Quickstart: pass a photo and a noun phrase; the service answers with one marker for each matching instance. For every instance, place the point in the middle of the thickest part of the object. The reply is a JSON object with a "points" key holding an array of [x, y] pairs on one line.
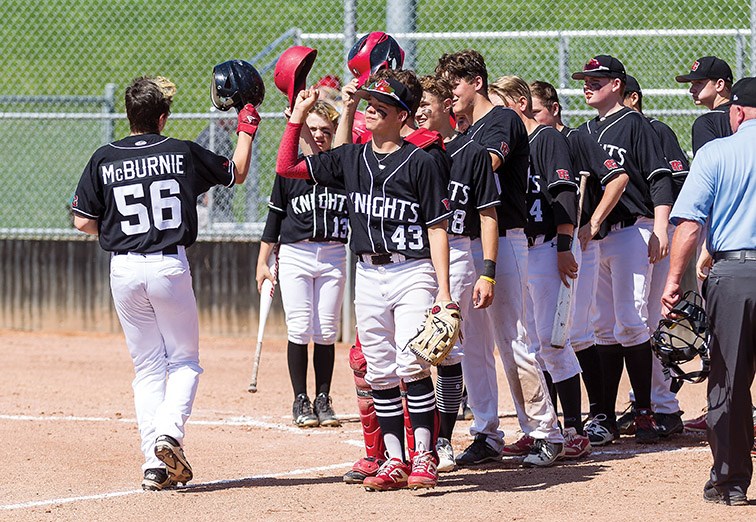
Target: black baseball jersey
{"points": [[472, 185], [587, 155], [673, 153], [629, 139], [300, 211], [551, 183], [711, 125], [143, 189], [502, 133], [391, 202]]}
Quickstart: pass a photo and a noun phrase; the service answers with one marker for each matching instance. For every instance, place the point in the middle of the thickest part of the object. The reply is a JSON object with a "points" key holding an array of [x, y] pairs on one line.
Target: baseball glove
{"points": [[438, 334]]}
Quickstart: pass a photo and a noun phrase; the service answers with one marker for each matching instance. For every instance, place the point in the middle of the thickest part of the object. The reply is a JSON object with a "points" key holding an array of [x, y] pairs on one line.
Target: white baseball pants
{"points": [[506, 320], [390, 305], [311, 276], [582, 333], [624, 283], [543, 294], [155, 303], [461, 283]]}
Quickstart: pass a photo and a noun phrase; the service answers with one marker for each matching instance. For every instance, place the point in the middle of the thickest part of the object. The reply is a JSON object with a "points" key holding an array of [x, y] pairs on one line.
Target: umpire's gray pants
{"points": [[731, 307]]}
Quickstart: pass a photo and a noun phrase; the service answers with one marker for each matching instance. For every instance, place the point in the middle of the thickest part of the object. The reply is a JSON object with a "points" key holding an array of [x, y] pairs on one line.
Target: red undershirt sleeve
{"points": [[287, 163]]}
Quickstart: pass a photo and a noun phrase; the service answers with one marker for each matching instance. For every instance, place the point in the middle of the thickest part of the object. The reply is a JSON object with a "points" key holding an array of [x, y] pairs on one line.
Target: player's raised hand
{"points": [[567, 266], [349, 94], [302, 105], [249, 119]]}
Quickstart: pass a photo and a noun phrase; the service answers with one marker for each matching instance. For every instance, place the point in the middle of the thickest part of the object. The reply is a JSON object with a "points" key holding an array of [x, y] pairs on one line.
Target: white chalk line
{"points": [[233, 421], [114, 494]]}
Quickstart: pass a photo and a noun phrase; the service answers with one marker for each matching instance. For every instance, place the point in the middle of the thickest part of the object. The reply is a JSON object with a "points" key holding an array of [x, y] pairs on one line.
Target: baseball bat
{"points": [[560, 332], [266, 299]]}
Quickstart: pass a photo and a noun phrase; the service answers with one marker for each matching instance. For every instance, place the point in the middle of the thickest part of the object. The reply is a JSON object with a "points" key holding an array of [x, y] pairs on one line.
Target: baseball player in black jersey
{"points": [[138, 194], [473, 195], [636, 240], [551, 223], [605, 185], [664, 401], [310, 223], [503, 134], [710, 81], [398, 210]]}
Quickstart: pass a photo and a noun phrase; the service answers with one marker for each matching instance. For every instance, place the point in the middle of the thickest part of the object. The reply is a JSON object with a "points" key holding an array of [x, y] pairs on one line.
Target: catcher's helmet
{"points": [[292, 69], [681, 338], [373, 52], [235, 84]]}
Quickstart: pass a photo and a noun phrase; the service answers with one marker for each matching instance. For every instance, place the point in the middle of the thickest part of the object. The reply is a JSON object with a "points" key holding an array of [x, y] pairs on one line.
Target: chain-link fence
{"points": [[67, 63]]}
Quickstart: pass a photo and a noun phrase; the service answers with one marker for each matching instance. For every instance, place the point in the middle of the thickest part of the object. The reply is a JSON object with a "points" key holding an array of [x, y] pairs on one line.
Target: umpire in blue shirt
{"points": [[721, 189]]}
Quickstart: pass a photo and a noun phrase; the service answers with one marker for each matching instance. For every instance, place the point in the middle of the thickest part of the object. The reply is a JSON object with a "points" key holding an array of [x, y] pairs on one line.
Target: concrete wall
{"points": [[63, 285]]}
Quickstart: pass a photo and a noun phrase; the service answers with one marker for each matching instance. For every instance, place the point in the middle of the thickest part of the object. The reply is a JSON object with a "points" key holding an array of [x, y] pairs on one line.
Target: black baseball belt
{"points": [[735, 255]]}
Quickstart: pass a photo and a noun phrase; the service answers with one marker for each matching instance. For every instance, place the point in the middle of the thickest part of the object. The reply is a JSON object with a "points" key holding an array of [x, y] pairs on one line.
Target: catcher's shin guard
{"points": [[371, 431]]}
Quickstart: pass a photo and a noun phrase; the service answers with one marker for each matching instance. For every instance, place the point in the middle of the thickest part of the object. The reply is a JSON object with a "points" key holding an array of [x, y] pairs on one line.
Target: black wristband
{"points": [[564, 242], [489, 268]]}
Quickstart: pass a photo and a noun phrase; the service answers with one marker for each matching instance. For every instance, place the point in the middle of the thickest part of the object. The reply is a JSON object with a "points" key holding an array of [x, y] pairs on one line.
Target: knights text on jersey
{"points": [[629, 139], [588, 156], [673, 153], [143, 189], [472, 185], [710, 126], [502, 133], [310, 212], [551, 183], [391, 201]]}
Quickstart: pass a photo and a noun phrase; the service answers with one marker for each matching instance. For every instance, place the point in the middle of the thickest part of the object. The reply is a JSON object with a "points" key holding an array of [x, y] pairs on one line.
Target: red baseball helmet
{"points": [[291, 71], [372, 52]]}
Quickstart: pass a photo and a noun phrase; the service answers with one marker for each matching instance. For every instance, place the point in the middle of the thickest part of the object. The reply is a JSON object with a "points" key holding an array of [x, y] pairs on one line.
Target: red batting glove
{"points": [[249, 119]]}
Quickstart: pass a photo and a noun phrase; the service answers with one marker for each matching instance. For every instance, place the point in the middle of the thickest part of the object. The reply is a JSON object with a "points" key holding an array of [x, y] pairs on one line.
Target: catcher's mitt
{"points": [[438, 334]]}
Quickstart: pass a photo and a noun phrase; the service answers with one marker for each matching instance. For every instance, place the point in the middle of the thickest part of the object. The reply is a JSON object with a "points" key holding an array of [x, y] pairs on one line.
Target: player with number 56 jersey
{"points": [[138, 194]]}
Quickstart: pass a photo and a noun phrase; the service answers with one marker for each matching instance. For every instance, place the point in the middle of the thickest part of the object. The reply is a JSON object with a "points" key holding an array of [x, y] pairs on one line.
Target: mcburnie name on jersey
{"points": [[385, 207], [166, 164]]}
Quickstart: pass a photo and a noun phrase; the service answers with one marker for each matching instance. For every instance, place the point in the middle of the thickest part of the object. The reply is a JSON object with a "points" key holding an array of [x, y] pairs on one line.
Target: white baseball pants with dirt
{"points": [[504, 321], [461, 282], [390, 305], [311, 276], [155, 303], [543, 295]]}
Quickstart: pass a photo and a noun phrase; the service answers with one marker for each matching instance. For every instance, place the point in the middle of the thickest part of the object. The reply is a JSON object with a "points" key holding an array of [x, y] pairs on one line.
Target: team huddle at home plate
{"points": [[461, 196]]}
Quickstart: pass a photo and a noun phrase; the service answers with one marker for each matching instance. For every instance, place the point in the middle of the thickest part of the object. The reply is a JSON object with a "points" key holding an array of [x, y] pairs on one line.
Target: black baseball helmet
{"points": [[235, 84], [682, 337]]}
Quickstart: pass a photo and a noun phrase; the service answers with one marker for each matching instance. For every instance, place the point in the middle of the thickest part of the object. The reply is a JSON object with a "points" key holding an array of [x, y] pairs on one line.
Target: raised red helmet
{"points": [[292, 68], [373, 52]]}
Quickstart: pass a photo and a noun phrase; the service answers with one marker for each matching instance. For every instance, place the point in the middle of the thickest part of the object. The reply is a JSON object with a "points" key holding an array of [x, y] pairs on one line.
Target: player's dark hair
{"points": [[640, 99], [547, 93], [146, 101], [407, 78], [465, 65], [438, 86]]}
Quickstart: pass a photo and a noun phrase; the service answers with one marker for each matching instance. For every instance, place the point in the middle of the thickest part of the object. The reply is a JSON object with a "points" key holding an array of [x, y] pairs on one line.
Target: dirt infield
{"points": [[70, 451]]}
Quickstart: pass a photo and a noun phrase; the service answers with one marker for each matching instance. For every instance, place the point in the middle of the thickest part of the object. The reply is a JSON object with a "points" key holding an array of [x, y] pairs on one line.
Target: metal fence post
{"points": [[401, 16], [740, 55], [108, 107], [350, 32]]}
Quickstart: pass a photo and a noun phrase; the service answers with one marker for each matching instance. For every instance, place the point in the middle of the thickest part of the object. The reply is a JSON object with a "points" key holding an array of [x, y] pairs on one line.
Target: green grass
{"points": [[79, 46]]}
